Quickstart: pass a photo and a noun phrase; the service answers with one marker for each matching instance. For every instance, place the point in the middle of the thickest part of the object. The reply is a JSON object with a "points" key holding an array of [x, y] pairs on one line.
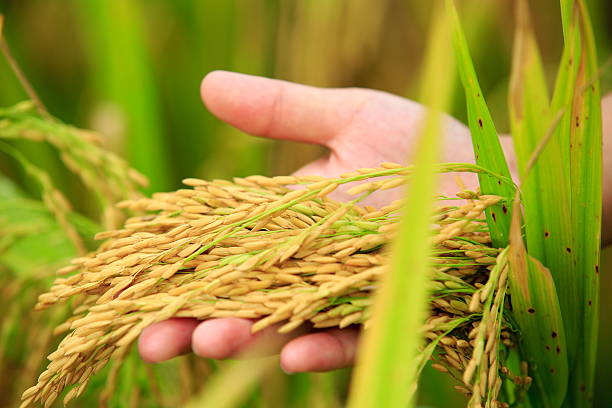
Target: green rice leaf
{"points": [[41, 235], [399, 307], [51, 196], [539, 151], [528, 103], [487, 149], [578, 95], [535, 307], [542, 162]]}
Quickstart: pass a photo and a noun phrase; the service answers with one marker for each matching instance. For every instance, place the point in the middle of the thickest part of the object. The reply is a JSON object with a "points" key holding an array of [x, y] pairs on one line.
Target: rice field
{"points": [[99, 239]]}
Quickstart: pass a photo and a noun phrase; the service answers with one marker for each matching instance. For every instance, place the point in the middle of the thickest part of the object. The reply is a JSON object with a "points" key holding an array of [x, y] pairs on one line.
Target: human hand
{"points": [[362, 128]]}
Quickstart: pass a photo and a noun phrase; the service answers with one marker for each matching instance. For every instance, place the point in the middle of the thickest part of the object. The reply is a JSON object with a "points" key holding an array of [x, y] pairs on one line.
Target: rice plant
{"points": [[502, 289]]}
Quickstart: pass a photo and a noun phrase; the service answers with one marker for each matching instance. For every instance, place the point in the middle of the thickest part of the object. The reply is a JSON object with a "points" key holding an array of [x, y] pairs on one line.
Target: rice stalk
{"points": [[106, 175]]}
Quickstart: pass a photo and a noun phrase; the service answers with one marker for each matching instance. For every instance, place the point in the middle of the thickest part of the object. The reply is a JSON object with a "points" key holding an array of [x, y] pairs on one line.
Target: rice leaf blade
{"points": [[487, 149], [542, 161], [399, 306], [582, 119], [545, 344], [535, 307], [528, 103]]}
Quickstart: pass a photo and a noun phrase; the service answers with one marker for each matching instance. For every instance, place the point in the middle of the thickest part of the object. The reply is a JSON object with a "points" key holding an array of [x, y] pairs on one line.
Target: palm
{"points": [[383, 128], [361, 128]]}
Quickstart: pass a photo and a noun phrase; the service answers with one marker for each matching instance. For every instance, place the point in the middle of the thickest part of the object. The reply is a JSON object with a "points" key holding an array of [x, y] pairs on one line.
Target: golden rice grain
{"points": [[252, 248]]}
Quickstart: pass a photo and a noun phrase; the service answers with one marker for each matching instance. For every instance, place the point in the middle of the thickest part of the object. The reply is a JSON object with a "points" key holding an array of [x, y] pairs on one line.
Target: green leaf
{"points": [[39, 245], [542, 164], [399, 307], [122, 73], [487, 149], [562, 192], [539, 151], [577, 93], [536, 310], [528, 104]]}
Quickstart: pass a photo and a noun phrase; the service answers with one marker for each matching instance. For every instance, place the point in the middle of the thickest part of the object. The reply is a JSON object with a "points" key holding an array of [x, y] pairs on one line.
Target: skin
{"points": [[361, 128]]}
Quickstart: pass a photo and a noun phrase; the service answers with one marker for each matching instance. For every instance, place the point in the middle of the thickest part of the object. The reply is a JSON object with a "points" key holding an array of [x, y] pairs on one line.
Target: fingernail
{"points": [[286, 371]]}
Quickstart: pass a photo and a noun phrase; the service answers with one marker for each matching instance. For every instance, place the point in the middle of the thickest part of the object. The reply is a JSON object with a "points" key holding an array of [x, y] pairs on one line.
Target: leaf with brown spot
{"points": [[577, 94], [533, 289], [487, 148]]}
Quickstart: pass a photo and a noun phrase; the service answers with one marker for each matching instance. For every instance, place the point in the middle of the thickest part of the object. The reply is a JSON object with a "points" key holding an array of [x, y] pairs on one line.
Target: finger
{"points": [[165, 340], [280, 109], [322, 351], [229, 337], [221, 338]]}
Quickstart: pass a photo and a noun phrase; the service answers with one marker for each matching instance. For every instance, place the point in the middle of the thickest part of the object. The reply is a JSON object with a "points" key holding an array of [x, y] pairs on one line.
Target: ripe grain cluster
{"points": [[260, 248]]}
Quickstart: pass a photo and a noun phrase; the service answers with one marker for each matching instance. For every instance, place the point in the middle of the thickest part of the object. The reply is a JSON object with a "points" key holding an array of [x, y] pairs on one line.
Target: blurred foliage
{"points": [[131, 69]]}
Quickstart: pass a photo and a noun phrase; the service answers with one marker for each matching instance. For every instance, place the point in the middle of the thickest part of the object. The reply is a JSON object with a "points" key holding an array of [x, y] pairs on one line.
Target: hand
{"points": [[362, 128]]}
